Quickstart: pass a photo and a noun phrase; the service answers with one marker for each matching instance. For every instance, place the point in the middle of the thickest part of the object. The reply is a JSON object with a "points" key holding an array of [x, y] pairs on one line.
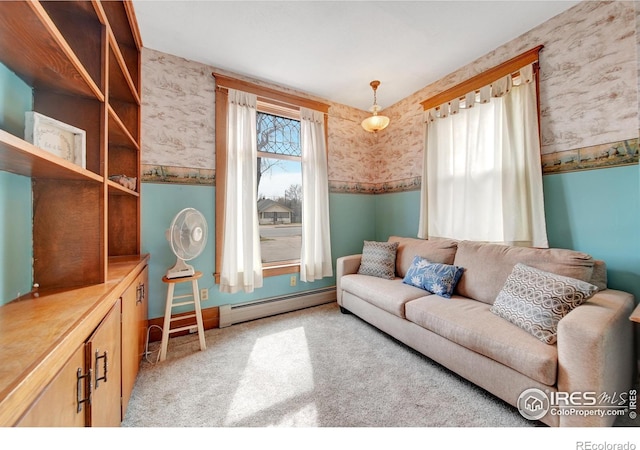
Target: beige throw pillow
{"points": [[536, 300]]}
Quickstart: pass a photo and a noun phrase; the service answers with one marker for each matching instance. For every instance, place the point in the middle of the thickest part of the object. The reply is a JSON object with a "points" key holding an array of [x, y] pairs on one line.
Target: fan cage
{"points": [[188, 234]]}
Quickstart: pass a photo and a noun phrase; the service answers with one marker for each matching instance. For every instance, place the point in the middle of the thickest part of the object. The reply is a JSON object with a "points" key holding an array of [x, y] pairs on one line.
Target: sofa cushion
{"points": [[435, 250], [470, 324], [536, 300], [436, 278], [389, 295], [487, 266], [379, 259]]}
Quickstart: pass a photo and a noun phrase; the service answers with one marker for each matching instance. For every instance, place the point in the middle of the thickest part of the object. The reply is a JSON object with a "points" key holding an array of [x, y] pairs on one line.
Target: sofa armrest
{"points": [[595, 351], [345, 265]]}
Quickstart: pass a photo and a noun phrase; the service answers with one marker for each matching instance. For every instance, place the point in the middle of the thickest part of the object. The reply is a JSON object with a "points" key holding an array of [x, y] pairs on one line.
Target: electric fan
{"points": [[187, 236]]}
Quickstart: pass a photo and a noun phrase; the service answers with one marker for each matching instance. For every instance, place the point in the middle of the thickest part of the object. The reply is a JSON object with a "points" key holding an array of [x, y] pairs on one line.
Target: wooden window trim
{"points": [[268, 95], [280, 268], [269, 98], [485, 78]]}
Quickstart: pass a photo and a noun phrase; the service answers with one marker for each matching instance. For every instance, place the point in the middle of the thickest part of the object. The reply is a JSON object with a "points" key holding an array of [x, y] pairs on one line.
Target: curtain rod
{"points": [[297, 106], [228, 82], [477, 91], [281, 102], [484, 78]]}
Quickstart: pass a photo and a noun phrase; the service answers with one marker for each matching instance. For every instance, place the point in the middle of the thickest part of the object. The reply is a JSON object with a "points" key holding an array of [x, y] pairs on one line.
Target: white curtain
{"points": [[315, 259], [482, 173], [241, 259]]}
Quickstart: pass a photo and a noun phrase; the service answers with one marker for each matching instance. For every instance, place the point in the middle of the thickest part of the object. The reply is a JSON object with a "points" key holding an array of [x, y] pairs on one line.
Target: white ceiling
{"points": [[333, 49]]}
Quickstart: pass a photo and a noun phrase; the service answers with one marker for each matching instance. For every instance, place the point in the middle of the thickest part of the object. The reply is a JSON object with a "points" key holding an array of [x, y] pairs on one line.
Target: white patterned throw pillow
{"points": [[379, 259], [536, 300]]}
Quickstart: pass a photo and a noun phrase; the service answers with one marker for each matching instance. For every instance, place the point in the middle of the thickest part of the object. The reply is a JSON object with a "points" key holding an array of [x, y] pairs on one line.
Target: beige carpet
{"points": [[310, 368]]}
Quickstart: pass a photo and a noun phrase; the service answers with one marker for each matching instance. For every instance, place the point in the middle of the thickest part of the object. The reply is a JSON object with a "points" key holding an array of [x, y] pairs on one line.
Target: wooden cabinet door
{"points": [[134, 330], [103, 355], [60, 403], [87, 389]]}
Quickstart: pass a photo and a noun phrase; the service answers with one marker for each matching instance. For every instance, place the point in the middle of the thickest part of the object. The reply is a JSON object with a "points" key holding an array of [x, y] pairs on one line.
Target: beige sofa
{"points": [[594, 349]]}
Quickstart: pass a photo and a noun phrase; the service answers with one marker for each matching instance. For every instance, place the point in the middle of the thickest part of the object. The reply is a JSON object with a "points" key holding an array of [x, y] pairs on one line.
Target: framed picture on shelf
{"points": [[58, 138]]}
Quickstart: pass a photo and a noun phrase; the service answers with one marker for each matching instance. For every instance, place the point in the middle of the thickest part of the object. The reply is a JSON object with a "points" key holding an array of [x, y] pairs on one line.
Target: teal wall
{"points": [[598, 212], [16, 98], [159, 204], [595, 211], [397, 214], [352, 221], [16, 245]]}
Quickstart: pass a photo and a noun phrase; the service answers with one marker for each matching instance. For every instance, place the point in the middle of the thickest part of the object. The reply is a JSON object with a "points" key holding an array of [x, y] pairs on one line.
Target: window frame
{"points": [[271, 101]]}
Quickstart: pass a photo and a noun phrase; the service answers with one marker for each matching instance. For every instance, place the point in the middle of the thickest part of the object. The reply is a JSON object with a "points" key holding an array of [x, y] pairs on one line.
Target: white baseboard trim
{"points": [[232, 314]]}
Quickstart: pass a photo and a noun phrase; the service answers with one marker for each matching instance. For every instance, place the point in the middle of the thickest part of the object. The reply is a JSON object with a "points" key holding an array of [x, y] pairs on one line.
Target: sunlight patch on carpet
{"points": [[278, 369], [306, 416]]}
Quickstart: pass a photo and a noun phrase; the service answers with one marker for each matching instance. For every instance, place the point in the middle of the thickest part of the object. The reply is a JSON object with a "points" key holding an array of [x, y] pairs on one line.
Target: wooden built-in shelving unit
{"points": [[82, 59]]}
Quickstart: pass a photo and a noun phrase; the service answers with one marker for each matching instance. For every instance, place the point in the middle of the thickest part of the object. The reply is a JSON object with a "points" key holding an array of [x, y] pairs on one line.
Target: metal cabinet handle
{"points": [[140, 293], [105, 366], [79, 389]]}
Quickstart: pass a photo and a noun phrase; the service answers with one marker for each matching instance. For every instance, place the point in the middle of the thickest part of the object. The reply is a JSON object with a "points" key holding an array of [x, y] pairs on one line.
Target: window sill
{"points": [[274, 269], [280, 268]]}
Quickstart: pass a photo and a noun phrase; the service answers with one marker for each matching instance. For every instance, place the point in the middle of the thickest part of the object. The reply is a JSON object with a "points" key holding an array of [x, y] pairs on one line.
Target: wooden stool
{"points": [[166, 329]]}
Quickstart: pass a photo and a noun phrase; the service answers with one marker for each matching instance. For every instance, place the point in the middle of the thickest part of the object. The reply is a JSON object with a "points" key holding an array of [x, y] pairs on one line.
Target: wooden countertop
{"points": [[39, 333]]}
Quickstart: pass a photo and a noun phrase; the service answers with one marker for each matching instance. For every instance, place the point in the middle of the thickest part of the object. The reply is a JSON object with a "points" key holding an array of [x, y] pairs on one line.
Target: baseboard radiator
{"points": [[232, 314]]}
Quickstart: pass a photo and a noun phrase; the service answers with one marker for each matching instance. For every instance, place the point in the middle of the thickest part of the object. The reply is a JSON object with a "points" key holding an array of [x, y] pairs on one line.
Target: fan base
{"points": [[181, 273], [180, 270]]}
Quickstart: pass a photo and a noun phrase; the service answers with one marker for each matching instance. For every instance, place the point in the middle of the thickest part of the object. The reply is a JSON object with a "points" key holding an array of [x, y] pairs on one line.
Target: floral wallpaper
{"points": [[589, 84], [178, 125], [177, 112], [588, 93], [637, 10], [350, 149]]}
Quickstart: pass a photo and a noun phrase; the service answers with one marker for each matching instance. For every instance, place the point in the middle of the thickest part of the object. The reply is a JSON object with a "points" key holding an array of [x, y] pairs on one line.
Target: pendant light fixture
{"points": [[375, 122]]}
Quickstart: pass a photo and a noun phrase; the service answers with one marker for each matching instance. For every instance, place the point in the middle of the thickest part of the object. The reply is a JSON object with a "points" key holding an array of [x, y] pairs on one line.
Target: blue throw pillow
{"points": [[439, 279]]}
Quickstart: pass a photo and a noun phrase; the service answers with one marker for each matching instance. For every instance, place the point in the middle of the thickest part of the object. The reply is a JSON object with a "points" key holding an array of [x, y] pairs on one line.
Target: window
{"points": [[279, 187], [482, 175], [280, 161]]}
